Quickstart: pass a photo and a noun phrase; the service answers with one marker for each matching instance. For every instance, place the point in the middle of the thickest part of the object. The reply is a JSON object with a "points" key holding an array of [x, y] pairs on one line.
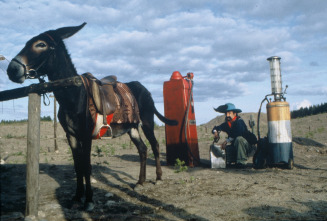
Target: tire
{"points": [[259, 165]]}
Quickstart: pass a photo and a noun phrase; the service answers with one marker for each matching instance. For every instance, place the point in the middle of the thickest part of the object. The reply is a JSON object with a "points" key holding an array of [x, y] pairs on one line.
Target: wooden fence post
{"points": [[32, 159]]}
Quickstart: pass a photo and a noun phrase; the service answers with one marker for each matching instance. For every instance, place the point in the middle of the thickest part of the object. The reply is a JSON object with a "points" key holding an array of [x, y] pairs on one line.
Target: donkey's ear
{"points": [[66, 32]]}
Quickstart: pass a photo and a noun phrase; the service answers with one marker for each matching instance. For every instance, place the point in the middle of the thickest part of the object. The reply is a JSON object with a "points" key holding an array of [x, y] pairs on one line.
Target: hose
{"points": [[186, 122], [258, 123]]}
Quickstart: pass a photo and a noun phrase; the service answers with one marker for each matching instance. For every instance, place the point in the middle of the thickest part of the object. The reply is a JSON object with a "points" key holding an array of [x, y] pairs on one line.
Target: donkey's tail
{"points": [[164, 119]]}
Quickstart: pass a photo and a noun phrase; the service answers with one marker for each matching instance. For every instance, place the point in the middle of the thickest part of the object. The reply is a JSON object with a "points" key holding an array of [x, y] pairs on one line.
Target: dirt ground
{"points": [[200, 193]]}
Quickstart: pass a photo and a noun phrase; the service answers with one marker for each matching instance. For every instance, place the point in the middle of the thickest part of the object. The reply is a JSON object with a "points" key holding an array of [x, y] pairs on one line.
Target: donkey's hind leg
{"points": [[142, 149], [87, 170], [148, 129]]}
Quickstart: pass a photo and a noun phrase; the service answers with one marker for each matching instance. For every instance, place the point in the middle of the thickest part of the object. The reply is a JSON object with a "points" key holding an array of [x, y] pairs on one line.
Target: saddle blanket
{"points": [[127, 110]]}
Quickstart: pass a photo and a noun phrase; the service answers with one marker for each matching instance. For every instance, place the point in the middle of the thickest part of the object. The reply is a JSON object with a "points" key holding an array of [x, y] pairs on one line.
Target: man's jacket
{"points": [[237, 129]]}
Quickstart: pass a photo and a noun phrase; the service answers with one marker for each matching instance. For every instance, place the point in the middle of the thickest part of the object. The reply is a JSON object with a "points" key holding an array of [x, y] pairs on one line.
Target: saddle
{"points": [[109, 101], [101, 94]]}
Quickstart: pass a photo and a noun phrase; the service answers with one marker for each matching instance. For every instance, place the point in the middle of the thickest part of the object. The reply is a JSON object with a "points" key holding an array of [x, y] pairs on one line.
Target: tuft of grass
{"points": [[112, 151], [124, 145], [20, 153], [321, 130], [98, 151], [311, 134], [147, 143], [9, 136], [180, 166]]}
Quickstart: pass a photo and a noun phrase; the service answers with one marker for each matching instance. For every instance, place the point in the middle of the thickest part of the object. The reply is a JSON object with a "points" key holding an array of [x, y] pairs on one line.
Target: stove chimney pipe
{"points": [[276, 78]]}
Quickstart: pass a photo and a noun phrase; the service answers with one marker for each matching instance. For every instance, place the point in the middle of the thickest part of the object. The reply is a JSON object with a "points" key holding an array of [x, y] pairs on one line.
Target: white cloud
{"points": [[304, 103], [225, 43]]}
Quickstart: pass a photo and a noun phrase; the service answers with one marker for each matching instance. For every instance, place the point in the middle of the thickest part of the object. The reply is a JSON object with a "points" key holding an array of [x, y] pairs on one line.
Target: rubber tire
{"points": [[262, 166]]}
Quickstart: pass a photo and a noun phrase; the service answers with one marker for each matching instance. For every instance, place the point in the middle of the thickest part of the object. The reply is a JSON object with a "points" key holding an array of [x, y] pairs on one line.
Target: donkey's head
{"points": [[39, 53]]}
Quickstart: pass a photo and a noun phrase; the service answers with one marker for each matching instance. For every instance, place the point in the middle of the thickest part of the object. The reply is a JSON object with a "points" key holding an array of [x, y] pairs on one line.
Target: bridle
{"points": [[33, 73]]}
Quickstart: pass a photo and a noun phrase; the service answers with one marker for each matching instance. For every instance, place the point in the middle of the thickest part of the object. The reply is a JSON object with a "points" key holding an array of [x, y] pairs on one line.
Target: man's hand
{"points": [[223, 145], [216, 136]]}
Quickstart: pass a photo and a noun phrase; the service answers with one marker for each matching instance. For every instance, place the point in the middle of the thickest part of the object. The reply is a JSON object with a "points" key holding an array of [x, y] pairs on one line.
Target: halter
{"points": [[33, 73]]}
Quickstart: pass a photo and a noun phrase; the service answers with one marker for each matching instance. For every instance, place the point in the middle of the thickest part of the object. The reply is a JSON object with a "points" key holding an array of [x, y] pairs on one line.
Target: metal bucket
{"points": [[217, 156]]}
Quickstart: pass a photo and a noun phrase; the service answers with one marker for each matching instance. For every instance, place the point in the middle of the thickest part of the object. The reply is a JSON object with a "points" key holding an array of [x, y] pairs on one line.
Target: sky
{"points": [[224, 43]]}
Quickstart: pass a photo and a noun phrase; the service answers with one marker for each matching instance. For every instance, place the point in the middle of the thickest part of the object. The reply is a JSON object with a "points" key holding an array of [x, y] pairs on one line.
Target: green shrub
{"points": [[180, 166]]}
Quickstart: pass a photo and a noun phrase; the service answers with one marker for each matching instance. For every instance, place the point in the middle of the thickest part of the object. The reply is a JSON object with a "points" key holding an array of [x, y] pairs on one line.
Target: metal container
{"points": [[181, 139], [217, 156], [280, 148]]}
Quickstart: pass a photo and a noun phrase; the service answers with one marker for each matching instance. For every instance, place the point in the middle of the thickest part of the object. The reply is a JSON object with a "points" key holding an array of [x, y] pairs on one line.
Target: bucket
{"points": [[217, 156]]}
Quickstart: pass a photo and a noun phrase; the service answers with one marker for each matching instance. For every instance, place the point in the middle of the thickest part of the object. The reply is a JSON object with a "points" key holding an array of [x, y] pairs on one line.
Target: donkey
{"points": [[46, 54]]}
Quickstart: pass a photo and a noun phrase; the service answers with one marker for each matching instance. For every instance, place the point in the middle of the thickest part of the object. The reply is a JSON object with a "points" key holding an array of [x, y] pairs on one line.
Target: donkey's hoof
{"points": [[76, 203], [138, 187], [158, 182], [89, 206]]}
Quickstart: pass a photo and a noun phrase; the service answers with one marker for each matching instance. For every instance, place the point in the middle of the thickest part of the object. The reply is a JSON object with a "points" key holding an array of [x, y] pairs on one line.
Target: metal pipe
{"points": [[276, 78]]}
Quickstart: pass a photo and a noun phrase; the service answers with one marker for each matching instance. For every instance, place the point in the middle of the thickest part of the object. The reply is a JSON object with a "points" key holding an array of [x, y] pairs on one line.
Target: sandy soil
{"points": [[200, 193]]}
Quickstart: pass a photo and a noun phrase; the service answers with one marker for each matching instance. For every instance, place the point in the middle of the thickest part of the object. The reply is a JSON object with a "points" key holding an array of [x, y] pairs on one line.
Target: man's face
{"points": [[230, 115]]}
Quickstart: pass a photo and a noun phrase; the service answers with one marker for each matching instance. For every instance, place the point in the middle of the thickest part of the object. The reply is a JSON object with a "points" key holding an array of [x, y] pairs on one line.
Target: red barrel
{"points": [[181, 143]]}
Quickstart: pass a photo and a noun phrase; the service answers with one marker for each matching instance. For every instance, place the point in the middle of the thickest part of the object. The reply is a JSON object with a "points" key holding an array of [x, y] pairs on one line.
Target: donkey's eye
{"points": [[41, 45]]}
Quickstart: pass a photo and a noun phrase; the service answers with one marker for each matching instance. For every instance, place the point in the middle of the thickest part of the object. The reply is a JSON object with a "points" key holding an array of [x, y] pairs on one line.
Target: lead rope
{"points": [[44, 96]]}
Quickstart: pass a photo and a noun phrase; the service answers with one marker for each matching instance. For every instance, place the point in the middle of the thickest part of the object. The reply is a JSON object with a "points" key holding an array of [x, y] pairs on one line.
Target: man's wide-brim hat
{"points": [[227, 107]]}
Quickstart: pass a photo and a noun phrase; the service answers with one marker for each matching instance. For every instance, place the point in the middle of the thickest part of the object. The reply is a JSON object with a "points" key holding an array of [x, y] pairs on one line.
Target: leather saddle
{"points": [[101, 95]]}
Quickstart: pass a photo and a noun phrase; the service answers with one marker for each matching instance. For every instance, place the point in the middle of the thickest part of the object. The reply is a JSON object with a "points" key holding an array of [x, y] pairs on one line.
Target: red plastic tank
{"points": [[177, 93]]}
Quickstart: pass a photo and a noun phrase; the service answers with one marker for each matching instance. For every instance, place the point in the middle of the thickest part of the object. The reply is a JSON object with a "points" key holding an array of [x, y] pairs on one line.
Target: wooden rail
{"points": [[40, 88]]}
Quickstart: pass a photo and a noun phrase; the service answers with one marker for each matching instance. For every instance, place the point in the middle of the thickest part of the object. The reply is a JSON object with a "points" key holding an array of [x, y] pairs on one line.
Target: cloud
{"points": [[224, 43], [314, 63], [302, 104]]}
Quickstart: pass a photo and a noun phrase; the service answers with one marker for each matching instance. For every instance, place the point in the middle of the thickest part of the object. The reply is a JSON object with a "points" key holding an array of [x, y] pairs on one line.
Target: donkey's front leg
{"points": [[77, 152], [82, 163]]}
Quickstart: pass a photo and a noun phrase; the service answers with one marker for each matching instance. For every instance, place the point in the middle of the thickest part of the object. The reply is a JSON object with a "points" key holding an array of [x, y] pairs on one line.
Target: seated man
{"points": [[234, 126]]}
